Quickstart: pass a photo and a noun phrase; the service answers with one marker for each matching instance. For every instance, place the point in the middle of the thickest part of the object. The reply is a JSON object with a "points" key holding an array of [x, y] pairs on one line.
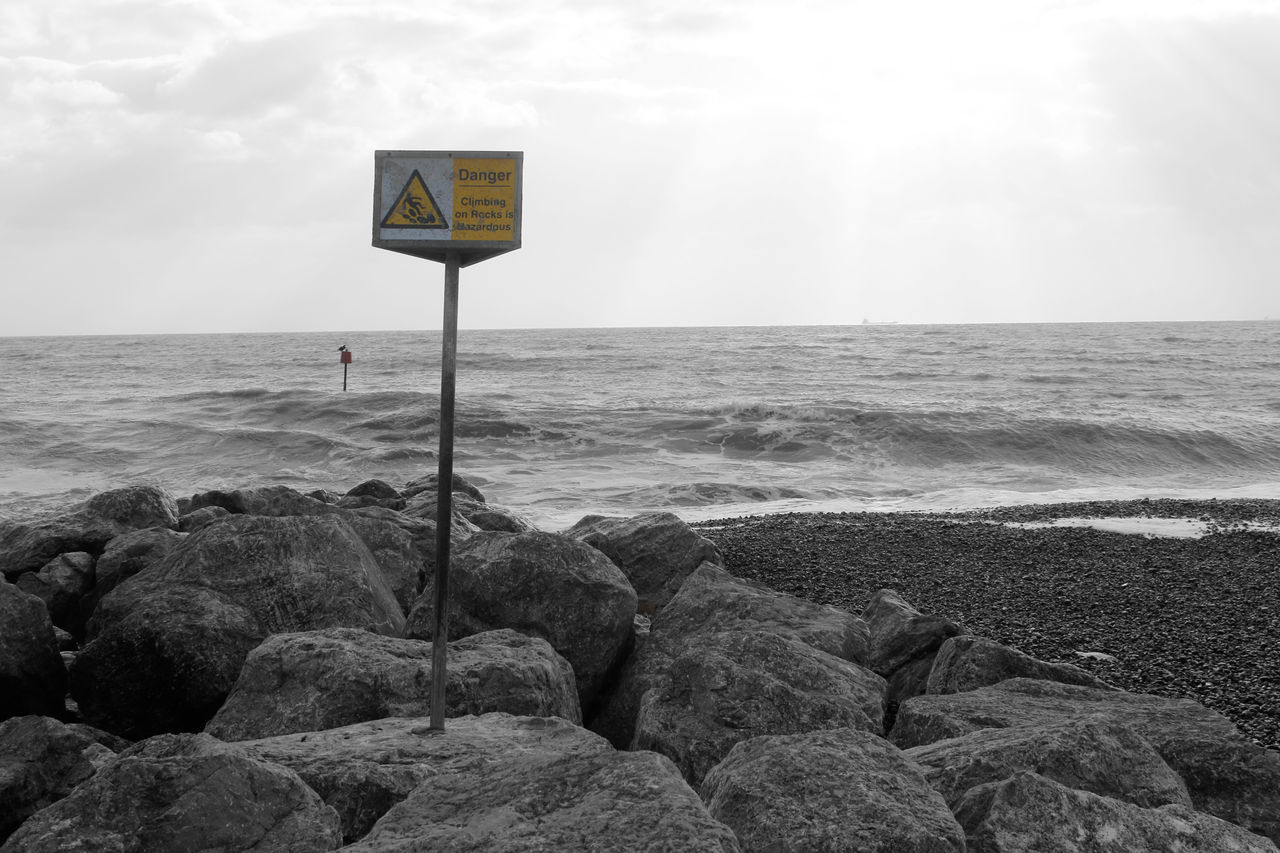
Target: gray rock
{"points": [[429, 483], [41, 761], [1029, 812], [363, 770], [840, 789], [967, 663], [183, 792], [714, 601], [1087, 753], [167, 644], [543, 585], [901, 634], [605, 801], [1226, 775], [314, 680], [62, 584], [468, 512], [729, 687], [200, 518], [656, 551], [378, 489], [130, 553], [33, 679], [89, 527]]}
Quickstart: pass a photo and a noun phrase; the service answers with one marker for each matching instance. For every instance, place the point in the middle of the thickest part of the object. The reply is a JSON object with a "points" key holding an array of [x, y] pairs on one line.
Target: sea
{"points": [[708, 423]]}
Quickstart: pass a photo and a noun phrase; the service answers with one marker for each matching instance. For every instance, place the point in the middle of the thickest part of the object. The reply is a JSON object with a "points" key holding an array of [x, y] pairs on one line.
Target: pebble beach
{"points": [[1191, 616]]}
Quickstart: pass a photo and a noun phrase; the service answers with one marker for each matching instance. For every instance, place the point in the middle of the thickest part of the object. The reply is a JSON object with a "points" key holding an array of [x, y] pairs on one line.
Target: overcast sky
{"points": [[207, 165]]}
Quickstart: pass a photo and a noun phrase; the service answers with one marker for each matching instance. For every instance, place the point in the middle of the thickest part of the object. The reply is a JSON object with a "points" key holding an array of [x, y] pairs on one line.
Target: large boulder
{"points": [[841, 789], [313, 680], [656, 551], [1087, 753], [968, 662], [89, 527], [63, 584], [183, 792], [126, 555], [604, 801], [1226, 775], [362, 770], [1029, 812], [275, 501], [713, 601], [41, 761], [167, 644], [901, 634], [729, 687], [33, 679], [543, 585]]}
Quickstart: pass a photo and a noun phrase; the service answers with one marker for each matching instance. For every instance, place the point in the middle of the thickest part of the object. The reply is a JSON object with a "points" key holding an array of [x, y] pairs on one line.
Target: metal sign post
{"points": [[457, 207]]}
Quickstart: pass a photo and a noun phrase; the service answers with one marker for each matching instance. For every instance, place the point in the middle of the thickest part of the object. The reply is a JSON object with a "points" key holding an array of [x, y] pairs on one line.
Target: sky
{"points": [[171, 166]]}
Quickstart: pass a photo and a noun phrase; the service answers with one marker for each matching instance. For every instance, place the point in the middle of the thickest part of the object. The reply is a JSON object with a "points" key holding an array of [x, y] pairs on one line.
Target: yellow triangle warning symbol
{"points": [[415, 207]]}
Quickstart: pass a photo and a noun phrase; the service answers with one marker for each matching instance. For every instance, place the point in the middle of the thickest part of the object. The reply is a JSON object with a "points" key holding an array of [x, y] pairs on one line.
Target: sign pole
{"points": [[444, 484]]}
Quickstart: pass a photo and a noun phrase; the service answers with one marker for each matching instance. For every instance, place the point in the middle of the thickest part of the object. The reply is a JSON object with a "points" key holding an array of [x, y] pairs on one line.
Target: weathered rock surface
{"points": [[430, 483], [196, 519], [373, 493], [841, 789], [729, 687], [273, 501], [901, 634], [1226, 775], [1088, 753], [656, 551], [167, 644], [605, 801], [713, 601], [543, 585], [41, 761], [314, 680], [967, 663], [62, 584], [128, 554], [364, 769], [183, 792], [1029, 812], [33, 679], [28, 547]]}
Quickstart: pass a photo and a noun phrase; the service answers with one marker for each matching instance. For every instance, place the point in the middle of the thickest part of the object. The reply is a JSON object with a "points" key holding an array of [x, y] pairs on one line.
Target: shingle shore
{"points": [[1196, 618]]}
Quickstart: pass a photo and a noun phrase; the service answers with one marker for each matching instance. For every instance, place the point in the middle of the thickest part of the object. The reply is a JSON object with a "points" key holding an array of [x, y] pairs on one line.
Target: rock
{"points": [[605, 801], [41, 761], [909, 680], [429, 483], [183, 792], [364, 769], [498, 519], [1029, 812], [316, 680], [130, 553], [32, 677], [404, 548], [729, 687], [375, 493], [543, 585], [167, 644], [28, 547], [656, 551], [274, 501], [1087, 753], [967, 663], [200, 518], [62, 584], [714, 601], [469, 513], [900, 633], [839, 789], [1226, 775]]}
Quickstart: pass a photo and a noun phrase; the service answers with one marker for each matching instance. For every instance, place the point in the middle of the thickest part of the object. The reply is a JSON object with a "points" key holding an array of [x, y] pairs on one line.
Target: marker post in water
{"points": [[344, 356], [459, 208]]}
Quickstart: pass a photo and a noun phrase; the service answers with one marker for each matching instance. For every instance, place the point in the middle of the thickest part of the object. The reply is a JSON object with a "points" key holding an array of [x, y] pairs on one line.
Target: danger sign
{"points": [[430, 203]]}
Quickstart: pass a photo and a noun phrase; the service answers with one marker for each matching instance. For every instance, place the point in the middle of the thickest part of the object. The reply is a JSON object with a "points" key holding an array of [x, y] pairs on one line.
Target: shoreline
{"points": [[1197, 618]]}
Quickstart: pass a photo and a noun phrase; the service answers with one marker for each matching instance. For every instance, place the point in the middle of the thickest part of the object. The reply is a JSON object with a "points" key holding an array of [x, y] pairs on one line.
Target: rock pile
{"points": [[252, 670]]}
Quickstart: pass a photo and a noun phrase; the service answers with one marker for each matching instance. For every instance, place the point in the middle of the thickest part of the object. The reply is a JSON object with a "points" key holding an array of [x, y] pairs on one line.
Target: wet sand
{"points": [[1185, 616]]}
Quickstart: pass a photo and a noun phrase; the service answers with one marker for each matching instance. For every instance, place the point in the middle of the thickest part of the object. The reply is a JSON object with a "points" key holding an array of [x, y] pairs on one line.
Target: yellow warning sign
{"points": [[415, 207], [484, 198]]}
